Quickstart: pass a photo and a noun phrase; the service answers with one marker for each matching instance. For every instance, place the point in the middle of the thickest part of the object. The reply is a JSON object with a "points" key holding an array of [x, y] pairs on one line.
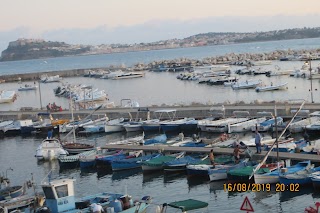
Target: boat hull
{"points": [[219, 175], [133, 128], [263, 179], [147, 168], [114, 128], [11, 192]]}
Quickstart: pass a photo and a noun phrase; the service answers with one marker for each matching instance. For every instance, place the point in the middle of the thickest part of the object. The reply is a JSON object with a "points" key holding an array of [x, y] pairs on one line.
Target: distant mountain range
{"points": [[23, 49]]}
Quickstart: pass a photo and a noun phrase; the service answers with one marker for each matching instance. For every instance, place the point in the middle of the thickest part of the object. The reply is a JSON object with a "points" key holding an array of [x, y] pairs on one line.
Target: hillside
{"points": [[35, 48]]}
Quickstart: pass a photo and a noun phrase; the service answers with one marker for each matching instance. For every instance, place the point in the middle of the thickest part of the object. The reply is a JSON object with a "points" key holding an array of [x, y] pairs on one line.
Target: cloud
{"points": [[155, 30]]}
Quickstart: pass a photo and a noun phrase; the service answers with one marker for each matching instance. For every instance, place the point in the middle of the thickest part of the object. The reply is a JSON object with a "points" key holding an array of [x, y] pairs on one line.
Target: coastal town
{"points": [[24, 48]]}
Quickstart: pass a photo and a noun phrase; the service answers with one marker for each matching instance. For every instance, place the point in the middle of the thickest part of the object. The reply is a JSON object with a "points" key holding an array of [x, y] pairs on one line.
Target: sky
{"points": [[135, 21]]}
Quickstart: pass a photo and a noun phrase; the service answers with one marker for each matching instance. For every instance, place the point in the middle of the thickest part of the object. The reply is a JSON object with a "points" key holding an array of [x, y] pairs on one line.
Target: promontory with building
{"points": [[23, 49]]}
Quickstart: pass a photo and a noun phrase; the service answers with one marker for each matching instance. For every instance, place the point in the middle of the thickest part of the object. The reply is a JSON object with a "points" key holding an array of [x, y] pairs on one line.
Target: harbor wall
{"points": [[198, 112]]}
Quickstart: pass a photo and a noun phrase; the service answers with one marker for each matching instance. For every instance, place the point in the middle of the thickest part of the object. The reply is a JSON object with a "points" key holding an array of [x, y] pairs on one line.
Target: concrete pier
{"points": [[283, 109]]}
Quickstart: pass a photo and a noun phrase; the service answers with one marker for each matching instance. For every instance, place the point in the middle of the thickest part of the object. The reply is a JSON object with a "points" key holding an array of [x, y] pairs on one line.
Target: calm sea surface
{"points": [[155, 88]]}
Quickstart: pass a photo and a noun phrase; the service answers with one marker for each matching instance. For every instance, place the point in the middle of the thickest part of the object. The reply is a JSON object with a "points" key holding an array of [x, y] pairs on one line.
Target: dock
{"points": [[216, 151]]}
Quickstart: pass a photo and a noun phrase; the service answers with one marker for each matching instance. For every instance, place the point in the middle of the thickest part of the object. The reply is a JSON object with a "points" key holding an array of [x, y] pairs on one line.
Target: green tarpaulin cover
{"points": [[190, 204], [158, 161]]}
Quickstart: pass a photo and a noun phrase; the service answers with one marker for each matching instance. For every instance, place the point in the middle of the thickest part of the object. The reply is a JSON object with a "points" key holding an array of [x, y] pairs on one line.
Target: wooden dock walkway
{"points": [[216, 150]]}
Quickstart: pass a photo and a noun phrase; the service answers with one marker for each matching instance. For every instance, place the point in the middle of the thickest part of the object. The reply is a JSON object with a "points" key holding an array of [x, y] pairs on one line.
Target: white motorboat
{"points": [[261, 63], [115, 125], [133, 126], [279, 72], [50, 149], [299, 126], [246, 84], [266, 125], [272, 87], [7, 96], [245, 125], [217, 68], [27, 87], [92, 96], [219, 125], [49, 79]]}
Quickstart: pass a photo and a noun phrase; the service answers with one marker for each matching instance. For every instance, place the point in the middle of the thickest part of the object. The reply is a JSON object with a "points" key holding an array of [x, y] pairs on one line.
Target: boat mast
{"points": [[276, 129], [72, 117]]}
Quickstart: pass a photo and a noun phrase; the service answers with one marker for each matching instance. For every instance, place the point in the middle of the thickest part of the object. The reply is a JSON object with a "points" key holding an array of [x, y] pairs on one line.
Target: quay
{"points": [[216, 151], [284, 110]]}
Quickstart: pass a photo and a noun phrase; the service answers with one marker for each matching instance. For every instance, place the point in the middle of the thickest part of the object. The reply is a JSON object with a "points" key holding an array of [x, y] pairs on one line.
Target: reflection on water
{"points": [[102, 172], [151, 176], [171, 177], [125, 174]]}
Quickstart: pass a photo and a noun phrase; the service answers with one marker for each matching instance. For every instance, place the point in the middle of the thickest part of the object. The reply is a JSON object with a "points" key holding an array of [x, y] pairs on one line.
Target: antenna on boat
{"points": [[283, 131]]}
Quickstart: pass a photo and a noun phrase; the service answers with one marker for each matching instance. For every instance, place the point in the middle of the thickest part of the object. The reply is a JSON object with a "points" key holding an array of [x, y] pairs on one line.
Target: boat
{"points": [[28, 87], [73, 160], [50, 79], [115, 125], [105, 161], [242, 175], [131, 163], [315, 178], [272, 87], [155, 124], [200, 170], [246, 84], [218, 125], [7, 96], [50, 149], [9, 192], [220, 173], [222, 80], [16, 204], [138, 140], [128, 75], [218, 68], [181, 164], [94, 95], [266, 125], [273, 177], [76, 148], [160, 139], [183, 205], [158, 163], [261, 63], [278, 72], [313, 129], [313, 147], [171, 126], [245, 125], [63, 189], [302, 177], [283, 147], [300, 125], [88, 159], [133, 126], [96, 127]]}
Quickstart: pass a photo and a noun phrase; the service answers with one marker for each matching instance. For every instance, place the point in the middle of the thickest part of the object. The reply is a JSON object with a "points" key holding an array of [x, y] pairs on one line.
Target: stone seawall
{"points": [[198, 112]]}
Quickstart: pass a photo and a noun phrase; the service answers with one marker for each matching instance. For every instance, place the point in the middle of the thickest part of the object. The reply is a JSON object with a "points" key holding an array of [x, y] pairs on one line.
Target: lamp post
{"points": [[310, 69]]}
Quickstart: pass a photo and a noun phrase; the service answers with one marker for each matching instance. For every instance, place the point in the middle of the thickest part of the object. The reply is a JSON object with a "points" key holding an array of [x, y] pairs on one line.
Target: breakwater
{"points": [[283, 109]]}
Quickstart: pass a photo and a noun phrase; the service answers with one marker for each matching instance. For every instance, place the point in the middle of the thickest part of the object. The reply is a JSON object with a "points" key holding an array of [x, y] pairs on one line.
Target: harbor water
{"points": [[18, 153]]}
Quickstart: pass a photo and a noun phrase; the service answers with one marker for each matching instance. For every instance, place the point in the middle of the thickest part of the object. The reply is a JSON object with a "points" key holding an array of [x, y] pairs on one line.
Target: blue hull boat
{"points": [[302, 177], [11, 192], [26, 130], [151, 128], [131, 163], [106, 161], [158, 139]]}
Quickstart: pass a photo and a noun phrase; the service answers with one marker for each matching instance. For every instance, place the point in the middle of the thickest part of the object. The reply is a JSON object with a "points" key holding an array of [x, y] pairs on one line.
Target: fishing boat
{"points": [[313, 147], [28, 87], [63, 189], [242, 175], [158, 163], [88, 159], [273, 177], [266, 125], [245, 125], [50, 149], [220, 172], [133, 126], [300, 125], [183, 205], [316, 181], [302, 177], [115, 125], [76, 148], [218, 125], [7, 96], [16, 204], [170, 126], [9, 192], [50, 79], [160, 139], [181, 164], [283, 147], [155, 124], [246, 84], [313, 129], [138, 140], [73, 160], [272, 87], [131, 163], [105, 161]]}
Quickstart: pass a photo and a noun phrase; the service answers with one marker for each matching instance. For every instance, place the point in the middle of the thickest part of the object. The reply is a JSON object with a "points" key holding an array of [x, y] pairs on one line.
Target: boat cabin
{"points": [[59, 195]]}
